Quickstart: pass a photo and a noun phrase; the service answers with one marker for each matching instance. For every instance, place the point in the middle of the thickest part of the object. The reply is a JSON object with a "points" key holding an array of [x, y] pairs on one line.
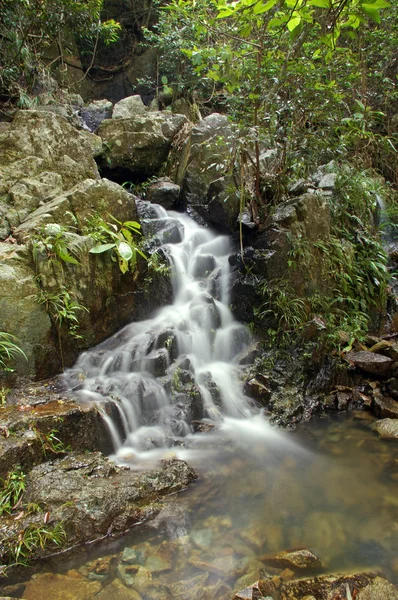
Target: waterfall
{"points": [[179, 365]]}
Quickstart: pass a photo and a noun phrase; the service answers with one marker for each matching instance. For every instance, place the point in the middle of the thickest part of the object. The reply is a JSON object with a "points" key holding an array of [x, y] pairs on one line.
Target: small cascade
{"points": [[388, 234], [144, 369]]}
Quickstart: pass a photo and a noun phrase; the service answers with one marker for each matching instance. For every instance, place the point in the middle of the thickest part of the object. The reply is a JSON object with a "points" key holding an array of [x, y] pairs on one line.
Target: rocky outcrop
{"points": [[92, 498], [52, 199], [204, 171], [136, 148]]}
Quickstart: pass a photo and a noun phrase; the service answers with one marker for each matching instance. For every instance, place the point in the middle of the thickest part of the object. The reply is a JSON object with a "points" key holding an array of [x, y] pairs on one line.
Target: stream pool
{"points": [[331, 487]]}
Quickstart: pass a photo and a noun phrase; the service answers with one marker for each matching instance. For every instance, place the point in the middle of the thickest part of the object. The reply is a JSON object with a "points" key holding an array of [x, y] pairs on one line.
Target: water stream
{"points": [[331, 487], [194, 340]]}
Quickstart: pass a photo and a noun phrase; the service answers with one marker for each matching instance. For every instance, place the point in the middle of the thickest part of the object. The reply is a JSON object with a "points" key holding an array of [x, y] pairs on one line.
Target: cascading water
{"points": [[195, 340]]}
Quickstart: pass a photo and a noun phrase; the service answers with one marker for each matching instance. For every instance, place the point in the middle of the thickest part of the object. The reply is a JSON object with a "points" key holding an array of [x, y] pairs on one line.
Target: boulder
{"points": [[384, 406], [96, 282], [75, 208], [203, 172], [370, 362], [24, 427], [23, 315], [38, 142], [164, 192], [129, 107], [138, 147]]}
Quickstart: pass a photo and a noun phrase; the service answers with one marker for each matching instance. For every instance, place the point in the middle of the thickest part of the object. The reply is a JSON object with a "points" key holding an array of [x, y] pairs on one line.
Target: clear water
{"points": [[331, 487]]}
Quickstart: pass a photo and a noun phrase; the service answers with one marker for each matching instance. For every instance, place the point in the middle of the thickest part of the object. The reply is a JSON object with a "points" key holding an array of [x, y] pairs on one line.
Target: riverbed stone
{"points": [[297, 560], [387, 429], [117, 591], [363, 586], [61, 587]]}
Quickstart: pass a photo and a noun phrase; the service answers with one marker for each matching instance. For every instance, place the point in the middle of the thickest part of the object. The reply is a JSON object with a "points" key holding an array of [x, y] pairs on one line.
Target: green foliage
{"points": [[285, 312], [296, 71], [29, 27], [9, 349], [57, 243], [117, 237], [13, 487], [351, 265], [21, 546], [51, 443], [64, 309]]}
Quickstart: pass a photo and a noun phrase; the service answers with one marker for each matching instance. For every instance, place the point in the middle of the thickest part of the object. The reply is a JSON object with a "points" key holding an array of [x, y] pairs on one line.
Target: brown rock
{"points": [[117, 591], [379, 589], [296, 560], [370, 362], [384, 407], [61, 587]]}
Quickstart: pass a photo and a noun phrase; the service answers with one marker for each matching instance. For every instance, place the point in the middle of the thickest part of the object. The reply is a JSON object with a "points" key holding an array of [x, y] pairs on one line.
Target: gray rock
{"points": [[96, 112], [138, 146], [38, 142], [103, 498], [202, 164], [129, 107], [164, 192], [298, 187], [328, 182]]}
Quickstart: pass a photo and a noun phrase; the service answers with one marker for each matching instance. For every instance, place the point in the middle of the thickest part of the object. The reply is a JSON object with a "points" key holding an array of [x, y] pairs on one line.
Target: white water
{"points": [[196, 337]]}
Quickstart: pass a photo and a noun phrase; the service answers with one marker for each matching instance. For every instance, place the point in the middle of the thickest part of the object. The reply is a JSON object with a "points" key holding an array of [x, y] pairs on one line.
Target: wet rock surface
{"points": [[371, 362], [95, 499]]}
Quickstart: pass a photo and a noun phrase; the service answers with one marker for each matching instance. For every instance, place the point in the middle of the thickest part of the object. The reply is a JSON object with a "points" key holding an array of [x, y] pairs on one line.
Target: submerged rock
{"points": [[296, 559], [361, 586], [61, 587], [387, 429]]}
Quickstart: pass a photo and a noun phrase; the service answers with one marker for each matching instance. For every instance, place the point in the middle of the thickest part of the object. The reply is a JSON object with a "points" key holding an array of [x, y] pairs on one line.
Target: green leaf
{"points": [[67, 258], [225, 12], [293, 23], [377, 4], [132, 224], [101, 248], [125, 250], [164, 80], [320, 3], [123, 265], [371, 12], [261, 8]]}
